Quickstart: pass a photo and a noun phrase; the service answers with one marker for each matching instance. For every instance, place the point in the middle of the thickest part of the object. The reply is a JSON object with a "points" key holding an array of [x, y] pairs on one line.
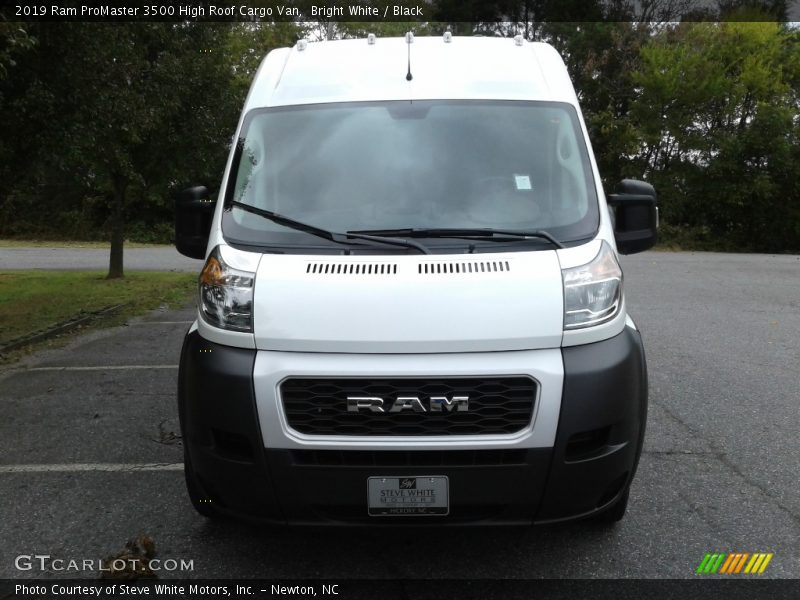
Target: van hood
{"points": [[409, 304]]}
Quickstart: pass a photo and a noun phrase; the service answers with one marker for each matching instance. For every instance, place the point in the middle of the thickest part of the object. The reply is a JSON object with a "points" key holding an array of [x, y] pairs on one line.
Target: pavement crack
{"points": [[722, 457], [165, 437]]}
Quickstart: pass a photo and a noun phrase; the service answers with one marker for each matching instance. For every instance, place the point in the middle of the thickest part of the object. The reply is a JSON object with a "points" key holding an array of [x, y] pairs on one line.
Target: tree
{"points": [[716, 111], [138, 95], [14, 39], [119, 115], [246, 45]]}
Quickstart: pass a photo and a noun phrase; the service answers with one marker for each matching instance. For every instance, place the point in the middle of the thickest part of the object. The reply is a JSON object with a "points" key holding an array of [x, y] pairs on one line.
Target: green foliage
{"points": [[354, 29], [109, 120], [246, 44], [716, 120], [14, 39]]}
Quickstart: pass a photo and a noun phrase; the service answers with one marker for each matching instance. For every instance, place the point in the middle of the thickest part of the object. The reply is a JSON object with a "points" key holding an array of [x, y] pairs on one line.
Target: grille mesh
{"points": [[496, 406]]}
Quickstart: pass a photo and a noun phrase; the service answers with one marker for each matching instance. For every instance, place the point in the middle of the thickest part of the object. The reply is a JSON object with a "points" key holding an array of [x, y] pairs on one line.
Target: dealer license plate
{"points": [[408, 496]]}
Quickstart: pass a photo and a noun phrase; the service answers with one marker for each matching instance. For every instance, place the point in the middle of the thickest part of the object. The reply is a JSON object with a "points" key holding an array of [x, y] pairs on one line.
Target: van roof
{"points": [[463, 68]]}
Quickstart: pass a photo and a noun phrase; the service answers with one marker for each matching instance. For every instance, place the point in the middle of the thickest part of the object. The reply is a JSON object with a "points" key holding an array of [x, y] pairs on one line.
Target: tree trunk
{"points": [[115, 264]]}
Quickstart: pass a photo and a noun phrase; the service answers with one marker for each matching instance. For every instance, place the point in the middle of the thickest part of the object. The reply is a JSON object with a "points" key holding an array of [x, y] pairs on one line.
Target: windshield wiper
{"points": [[339, 238], [468, 233]]}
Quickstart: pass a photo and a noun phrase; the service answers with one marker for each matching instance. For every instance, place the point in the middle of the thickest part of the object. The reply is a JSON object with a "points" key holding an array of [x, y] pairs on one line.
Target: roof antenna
{"points": [[409, 41]]}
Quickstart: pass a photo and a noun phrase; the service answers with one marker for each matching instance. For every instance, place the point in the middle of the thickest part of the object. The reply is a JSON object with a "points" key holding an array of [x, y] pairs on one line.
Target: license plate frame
{"points": [[408, 496]]}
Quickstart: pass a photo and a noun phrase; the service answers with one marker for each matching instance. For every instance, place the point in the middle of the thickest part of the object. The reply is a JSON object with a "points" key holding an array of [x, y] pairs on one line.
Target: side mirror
{"points": [[194, 211], [636, 213]]}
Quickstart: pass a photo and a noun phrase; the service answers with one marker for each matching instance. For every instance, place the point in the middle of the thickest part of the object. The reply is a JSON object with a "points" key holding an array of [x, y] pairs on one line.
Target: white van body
{"points": [[312, 321]]}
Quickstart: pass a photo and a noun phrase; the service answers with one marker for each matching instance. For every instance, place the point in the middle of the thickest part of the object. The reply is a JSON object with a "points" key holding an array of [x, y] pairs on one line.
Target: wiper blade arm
{"points": [[467, 233], [286, 221], [339, 238], [536, 233], [394, 241]]}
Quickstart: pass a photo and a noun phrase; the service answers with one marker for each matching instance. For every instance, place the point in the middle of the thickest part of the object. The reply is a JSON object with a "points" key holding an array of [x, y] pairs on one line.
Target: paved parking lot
{"points": [[89, 458]]}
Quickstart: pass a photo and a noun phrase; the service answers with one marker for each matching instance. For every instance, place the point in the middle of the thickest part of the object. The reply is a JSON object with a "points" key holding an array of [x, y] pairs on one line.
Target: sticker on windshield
{"points": [[523, 182]]}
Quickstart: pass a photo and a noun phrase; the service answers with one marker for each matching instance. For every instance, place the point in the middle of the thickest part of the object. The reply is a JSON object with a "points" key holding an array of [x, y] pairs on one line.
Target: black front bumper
{"points": [[597, 447]]}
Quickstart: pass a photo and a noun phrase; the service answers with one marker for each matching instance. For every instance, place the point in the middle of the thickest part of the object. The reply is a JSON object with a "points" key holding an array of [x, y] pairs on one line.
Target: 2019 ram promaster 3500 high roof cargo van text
{"points": [[412, 309]]}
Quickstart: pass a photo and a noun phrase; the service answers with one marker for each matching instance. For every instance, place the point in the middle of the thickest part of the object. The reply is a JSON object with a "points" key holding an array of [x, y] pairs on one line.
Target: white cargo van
{"points": [[412, 309]]}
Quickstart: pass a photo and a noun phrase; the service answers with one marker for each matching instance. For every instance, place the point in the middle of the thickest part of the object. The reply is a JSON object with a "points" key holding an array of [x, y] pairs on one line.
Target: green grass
{"points": [[15, 243], [34, 300]]}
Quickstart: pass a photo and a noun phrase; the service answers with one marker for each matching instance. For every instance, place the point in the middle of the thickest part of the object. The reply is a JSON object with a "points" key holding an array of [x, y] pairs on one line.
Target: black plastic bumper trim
{"points": [[605, 386], [604, 406]]}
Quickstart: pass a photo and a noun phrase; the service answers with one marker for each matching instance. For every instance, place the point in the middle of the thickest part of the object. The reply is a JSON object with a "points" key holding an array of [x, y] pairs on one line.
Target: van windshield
{"points": [[399, 165]]}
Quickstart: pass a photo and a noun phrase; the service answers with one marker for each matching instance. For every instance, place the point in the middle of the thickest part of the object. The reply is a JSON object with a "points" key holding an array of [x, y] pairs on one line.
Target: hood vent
{"points": [[446, 267], [327, 268]]}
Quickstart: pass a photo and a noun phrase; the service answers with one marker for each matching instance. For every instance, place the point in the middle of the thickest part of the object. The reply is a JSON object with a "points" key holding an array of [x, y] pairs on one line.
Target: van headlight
{"points": [[226, 295], [592, 292]]}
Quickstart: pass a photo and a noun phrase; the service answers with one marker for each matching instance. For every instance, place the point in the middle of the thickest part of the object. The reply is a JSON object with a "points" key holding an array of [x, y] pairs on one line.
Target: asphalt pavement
{"points": [[89, 456], [157, 258]]}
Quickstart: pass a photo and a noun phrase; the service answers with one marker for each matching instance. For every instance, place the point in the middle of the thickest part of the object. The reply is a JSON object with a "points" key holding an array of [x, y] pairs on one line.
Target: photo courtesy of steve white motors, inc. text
{"points": [[212, 11], [103, 590]]}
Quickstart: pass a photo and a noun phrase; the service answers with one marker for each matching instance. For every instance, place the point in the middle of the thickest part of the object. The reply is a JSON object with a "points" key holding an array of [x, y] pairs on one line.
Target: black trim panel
{"points": [[217, 408], [605, 395]]}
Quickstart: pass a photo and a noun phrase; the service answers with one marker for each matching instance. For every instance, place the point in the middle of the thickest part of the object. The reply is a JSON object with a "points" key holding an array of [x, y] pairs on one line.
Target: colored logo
{"points": [[734, 563]]}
